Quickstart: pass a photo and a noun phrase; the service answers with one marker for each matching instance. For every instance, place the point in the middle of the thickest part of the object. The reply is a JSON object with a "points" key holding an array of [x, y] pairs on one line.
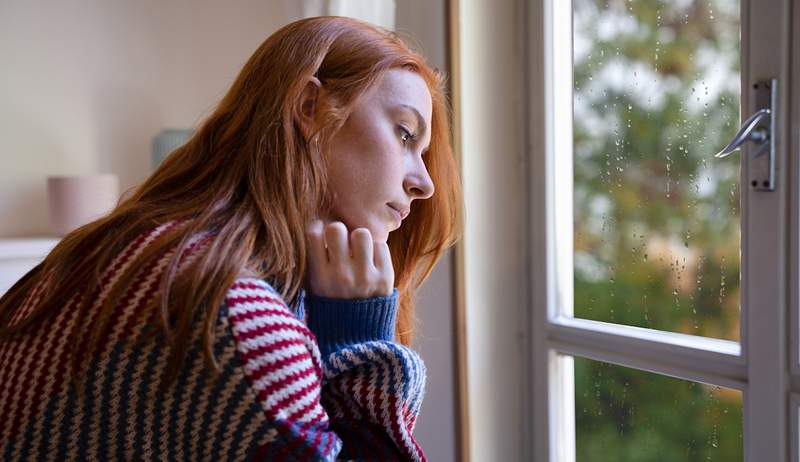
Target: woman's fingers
{"points": [[316, 243], [361, 246], [349, 265], [383, 262], [338, 248], [382, 256]]}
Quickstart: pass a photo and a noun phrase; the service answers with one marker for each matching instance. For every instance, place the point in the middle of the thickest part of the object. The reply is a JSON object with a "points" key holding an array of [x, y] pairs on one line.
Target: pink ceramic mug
{"points": [[74, 201]]}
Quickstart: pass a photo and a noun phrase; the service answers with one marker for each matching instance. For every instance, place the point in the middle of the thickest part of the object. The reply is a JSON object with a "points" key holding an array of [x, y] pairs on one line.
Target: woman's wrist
{"points": [[339, 323]]}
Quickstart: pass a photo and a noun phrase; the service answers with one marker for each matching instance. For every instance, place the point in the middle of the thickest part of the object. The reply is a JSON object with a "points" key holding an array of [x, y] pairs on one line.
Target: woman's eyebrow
{"points": [[422, 127]]}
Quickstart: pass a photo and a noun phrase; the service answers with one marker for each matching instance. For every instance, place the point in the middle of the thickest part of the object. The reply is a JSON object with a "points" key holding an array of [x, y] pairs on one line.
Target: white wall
{"points": [[492, 125], [86, 84]]}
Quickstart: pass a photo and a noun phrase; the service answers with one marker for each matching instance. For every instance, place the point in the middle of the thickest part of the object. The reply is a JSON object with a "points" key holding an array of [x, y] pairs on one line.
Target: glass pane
{"points": [[656, 216], [624, 414]]}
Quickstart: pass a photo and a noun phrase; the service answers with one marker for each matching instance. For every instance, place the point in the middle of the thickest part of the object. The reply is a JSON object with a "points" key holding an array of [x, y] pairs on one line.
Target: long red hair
{"points": [[252, 179]]}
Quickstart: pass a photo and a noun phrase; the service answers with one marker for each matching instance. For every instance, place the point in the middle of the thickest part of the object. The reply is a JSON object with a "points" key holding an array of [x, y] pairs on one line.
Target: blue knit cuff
{"points": [[339, 323]]}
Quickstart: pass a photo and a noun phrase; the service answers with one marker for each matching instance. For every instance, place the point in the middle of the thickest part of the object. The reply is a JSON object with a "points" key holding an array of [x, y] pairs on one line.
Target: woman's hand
{"points": [[347, 265]]}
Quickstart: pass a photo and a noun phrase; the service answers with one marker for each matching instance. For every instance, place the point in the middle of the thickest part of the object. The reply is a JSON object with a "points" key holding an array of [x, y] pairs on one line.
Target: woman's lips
{"points": [[402, 209], [398, 217]]}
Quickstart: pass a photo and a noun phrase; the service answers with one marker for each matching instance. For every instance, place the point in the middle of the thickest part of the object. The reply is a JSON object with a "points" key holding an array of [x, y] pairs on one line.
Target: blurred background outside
{"points": [[656, 217]]}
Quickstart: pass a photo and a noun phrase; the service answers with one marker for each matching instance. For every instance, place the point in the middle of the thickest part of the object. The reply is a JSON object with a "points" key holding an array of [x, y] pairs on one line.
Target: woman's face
{"points": [[376, 166]]}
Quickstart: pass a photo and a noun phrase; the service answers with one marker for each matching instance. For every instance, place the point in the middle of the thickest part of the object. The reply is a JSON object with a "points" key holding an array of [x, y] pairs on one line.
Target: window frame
{"points": [[765, 290]]}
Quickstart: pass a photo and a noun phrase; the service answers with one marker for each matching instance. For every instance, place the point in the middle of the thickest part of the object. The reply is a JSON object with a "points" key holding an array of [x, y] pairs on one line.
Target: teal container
{"points": [[167, 141]]}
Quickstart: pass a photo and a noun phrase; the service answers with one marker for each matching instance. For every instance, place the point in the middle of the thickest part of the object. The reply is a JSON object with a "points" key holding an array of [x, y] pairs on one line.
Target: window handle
{"points": [[748, 132], [759, 128]]}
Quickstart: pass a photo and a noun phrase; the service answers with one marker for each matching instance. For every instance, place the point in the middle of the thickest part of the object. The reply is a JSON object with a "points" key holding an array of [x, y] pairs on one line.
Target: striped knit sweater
{"points": [[324, 381]]}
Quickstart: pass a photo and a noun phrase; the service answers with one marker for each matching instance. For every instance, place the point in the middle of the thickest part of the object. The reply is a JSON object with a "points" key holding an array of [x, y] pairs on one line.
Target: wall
{"points": [[86, 84], [492, 125]]}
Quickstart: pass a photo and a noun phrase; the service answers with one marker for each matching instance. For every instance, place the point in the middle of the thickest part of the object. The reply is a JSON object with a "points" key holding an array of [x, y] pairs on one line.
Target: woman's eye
{"points": [[405, 135]]}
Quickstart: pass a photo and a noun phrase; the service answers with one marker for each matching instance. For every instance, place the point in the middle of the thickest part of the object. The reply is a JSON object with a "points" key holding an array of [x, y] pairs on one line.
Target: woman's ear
{"points": [[309, 101]]}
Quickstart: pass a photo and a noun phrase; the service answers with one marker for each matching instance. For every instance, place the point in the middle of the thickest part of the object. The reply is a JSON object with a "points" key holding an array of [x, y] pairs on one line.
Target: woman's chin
{"points": [[380, 231], [380, 235]]}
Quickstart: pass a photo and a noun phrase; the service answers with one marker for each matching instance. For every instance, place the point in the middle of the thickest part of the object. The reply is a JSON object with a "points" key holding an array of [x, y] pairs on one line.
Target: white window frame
{"points": [[761, 366]]}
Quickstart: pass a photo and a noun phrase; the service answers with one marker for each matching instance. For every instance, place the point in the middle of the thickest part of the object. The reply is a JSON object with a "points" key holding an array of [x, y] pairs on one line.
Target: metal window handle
{"points": [[760, 129], [748, 132]]}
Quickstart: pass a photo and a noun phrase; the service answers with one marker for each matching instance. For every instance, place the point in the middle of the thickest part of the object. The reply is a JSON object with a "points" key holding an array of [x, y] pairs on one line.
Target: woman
{"points": [[253, 299]]}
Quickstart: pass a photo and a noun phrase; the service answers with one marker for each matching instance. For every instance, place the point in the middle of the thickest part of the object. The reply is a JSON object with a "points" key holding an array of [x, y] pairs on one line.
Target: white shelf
{"points": [[19, 255]]}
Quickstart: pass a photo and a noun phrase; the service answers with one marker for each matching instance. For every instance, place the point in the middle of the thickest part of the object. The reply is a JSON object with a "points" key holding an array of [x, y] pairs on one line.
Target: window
{"points": [[660, 326]]}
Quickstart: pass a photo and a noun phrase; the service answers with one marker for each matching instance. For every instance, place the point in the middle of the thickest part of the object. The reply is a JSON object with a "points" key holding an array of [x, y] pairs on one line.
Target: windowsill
{"points": [[19, 255], [26, 247]]}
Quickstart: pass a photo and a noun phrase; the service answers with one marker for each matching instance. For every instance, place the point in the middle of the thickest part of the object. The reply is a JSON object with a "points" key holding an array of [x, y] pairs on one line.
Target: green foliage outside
{"points": [[656, 217]]}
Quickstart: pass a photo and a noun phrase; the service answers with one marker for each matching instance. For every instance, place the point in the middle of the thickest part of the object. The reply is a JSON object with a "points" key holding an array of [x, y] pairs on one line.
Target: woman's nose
{"points": [[419, 184]]}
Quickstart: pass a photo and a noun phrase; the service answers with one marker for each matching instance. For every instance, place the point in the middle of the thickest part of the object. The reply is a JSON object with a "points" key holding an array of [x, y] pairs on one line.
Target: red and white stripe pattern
{"points": [[282, 362]]}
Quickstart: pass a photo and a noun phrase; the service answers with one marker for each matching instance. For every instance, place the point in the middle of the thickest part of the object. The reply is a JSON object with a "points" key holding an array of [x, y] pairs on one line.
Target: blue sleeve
{"points": [[338, 323]]}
